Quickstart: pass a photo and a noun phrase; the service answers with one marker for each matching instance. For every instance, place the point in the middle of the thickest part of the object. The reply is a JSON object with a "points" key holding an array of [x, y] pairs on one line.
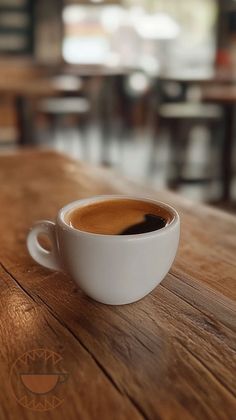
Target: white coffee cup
{"points": [[112, 269]]}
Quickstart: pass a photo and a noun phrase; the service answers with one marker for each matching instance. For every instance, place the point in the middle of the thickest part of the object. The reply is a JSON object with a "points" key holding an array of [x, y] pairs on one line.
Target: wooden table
{"points": [[171, 355], [23, 91]]}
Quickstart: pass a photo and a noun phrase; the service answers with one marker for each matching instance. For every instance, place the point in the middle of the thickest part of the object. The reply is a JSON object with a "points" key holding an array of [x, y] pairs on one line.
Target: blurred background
{"points": [[145, 86]]}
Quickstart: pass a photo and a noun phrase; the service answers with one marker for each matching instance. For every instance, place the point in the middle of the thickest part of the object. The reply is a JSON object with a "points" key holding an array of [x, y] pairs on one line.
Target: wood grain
{"points": [[170, 356]]}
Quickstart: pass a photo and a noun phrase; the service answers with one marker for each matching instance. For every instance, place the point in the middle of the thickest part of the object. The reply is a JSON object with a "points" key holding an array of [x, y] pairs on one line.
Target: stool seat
{"points": [[189, 110], [64, 106], [67, 83]]}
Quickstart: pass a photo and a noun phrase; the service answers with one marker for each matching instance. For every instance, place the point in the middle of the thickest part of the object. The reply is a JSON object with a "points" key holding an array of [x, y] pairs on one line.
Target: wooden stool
{"points": [[180, 119], [57, 108]]}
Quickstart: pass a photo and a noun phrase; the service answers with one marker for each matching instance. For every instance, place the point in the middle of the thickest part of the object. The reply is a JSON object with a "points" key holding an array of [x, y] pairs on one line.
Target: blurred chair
{"points": [[8, 130], [57, 108], [172, 91], [67, 83], [180, 118], [71, 101], [137, 89], [123, 101]]}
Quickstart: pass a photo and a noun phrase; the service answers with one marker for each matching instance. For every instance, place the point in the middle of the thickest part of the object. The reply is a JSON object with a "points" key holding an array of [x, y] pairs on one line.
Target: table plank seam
{"points": [[51, 327], [127, 320], [199, 362], [188, 303], [28, 297], [207, 314], [204, 367], [207, 286], [193, 354], [152, 319], [123, 393], [17, 283], [211, 321], [188, 278]]}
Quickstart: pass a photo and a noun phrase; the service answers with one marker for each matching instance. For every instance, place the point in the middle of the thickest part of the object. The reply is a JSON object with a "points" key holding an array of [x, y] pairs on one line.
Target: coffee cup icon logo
{"points": [[37, 379]]}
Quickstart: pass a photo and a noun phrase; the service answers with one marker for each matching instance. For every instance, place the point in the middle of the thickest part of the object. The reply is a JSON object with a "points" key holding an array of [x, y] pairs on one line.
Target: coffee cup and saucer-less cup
{"points": [[116, 248]]}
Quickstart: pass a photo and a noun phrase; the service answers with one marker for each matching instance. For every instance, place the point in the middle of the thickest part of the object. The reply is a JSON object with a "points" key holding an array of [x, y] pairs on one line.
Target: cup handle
{"points": [[48, 259]]}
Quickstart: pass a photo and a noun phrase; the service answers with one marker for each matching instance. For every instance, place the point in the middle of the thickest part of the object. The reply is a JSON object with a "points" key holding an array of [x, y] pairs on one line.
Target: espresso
{"points": [[119, 217]]}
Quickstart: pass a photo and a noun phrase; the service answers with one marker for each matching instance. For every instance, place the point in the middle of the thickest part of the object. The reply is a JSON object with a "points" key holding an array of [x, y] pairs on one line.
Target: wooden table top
{"points": [[222, 93], [171, 355], [31, 87]]}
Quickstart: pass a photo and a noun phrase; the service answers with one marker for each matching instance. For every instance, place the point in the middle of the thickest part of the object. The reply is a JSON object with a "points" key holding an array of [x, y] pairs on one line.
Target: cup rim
{"points": [[94, 199]]}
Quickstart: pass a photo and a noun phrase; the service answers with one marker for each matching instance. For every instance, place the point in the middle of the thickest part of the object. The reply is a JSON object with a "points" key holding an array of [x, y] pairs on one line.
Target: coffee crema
{"points": [[119, 217]]}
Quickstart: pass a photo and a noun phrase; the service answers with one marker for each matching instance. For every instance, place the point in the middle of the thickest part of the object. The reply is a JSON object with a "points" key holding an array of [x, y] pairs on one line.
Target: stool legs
{"points": [[178, 142], [227, 152]]}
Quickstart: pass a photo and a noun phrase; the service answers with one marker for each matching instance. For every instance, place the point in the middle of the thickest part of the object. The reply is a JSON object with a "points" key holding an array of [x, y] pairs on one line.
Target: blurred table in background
{"points": [[217, 87], [95, 70], [211, 75], [23, 81], [225, 95]]}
